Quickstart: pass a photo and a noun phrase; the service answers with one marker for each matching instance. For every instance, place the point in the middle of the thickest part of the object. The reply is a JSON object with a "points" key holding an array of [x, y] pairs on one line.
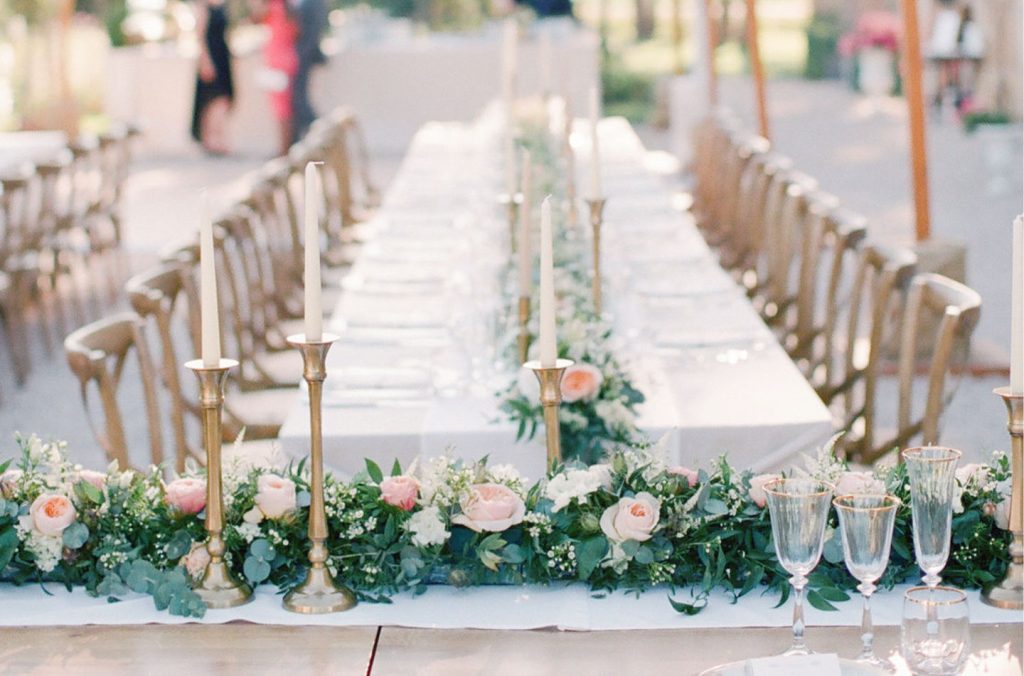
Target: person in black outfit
{"points": [[311, 16], [215, 90]]}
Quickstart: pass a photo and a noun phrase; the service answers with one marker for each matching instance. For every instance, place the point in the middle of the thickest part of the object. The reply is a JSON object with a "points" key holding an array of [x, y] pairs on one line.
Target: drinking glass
{"points": [[935, 631], [866, 523], [932, 473], [799, 514]]}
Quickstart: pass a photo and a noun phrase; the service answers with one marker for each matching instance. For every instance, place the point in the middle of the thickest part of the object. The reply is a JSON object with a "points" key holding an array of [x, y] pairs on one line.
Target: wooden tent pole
{"points": [[912, 89], [757, 69], [712, 37]]}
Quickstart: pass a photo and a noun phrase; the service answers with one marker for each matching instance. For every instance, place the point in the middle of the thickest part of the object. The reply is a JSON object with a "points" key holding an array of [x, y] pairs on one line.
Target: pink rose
{"points": [[97, 479], [691, 475], [188, 496], [196, 560], [51, 513], [757, 494], [859, 483], [581, 382], [490, 507], [400, 491], [275, 495], [972, 471], [631, 518]]}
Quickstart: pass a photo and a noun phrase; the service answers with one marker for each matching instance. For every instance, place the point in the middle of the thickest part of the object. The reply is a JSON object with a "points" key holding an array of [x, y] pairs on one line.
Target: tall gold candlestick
{"points": [[524, 328], [550, 378], [1009, 593], [596, 205], [511, 204], [218, 588], [318, 593]]}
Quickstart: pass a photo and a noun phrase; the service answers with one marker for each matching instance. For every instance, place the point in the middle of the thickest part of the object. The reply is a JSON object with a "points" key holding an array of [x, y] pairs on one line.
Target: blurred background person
{"points": [[312, 19], [281, 61], [214, 87]]}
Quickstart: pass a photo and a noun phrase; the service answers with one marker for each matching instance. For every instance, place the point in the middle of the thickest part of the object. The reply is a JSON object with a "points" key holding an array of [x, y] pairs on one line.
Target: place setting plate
{"points": [[847, 667]]}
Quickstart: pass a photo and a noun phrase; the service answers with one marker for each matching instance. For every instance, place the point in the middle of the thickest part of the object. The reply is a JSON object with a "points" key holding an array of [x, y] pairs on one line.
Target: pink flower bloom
{"points": [[188, 496], [490, 507], [196, 560], [52, 513], [690, 474], [757, 494], [97, 479], [631, 518], [400, 491], [275, 496], [581, 382]]}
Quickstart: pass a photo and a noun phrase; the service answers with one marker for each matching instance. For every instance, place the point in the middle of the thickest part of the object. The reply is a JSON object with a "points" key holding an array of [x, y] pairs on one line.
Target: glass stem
{"points": [[799, 645], [867, 627]]}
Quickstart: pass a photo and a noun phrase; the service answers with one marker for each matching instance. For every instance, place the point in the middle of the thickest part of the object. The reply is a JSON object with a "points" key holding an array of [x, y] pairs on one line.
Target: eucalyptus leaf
{"points": [[256, 570], [75, 535]]}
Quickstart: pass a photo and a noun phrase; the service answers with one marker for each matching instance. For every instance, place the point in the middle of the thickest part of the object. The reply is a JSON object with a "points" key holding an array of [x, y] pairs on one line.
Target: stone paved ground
{"points": [[856, 150]]}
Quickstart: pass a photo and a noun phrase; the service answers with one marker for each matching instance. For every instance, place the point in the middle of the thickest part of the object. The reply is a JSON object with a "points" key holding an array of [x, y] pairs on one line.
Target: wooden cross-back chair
{"points": [[833, 239], [744, 237], [712, 149], [741, 148], [784, 241], [957, 309], [97, 354], [363, 191], [260, 412], [869, 327]]}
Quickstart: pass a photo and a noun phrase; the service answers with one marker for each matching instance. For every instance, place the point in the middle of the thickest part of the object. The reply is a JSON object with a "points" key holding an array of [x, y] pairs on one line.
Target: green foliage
{"points": [[972, 120], [823, 34]]}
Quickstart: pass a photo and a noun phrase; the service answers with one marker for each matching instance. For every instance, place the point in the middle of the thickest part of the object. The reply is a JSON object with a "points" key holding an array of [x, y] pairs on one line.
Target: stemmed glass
{"points": [[799, 513], [866, 523], [932, 473]]}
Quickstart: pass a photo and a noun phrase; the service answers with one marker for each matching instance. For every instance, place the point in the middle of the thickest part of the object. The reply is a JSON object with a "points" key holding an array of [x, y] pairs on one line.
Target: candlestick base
{"points": [[318, 593], [596, 206], [550, 379], [218, 588], [1009, 592]]}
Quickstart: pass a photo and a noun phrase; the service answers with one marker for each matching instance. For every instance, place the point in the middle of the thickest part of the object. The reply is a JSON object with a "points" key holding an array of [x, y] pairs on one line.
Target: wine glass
{"points": [[932, 473], [935, 630], [799, 514], [866, 523]]}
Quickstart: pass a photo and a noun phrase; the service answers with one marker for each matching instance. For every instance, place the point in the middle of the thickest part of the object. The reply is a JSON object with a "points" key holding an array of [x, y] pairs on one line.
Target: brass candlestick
{"points": [[550, 378], [318, 593], [524, 330], [596, 205], [511, 202], [1009, 593], [219, 588]]}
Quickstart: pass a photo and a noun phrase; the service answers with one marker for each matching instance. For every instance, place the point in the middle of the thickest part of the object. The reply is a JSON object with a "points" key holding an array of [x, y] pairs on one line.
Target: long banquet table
{"points": [[420, 317]]}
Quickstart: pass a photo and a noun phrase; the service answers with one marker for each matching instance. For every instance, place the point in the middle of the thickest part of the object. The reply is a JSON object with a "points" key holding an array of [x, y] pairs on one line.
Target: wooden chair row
{"points": [[847, 309], [258, 247], [60, 228]]}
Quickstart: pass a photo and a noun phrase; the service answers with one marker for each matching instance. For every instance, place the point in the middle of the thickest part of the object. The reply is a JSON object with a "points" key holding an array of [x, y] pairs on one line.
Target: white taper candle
{"points": [[1017, 310], [548, 340], [595, 147], [314, 316], [523, 240], [209, 314]]}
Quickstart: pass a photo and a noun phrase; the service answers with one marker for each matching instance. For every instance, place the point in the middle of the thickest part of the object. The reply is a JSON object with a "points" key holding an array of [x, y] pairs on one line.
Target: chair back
{"points": [[154, 294], [97, 354]]}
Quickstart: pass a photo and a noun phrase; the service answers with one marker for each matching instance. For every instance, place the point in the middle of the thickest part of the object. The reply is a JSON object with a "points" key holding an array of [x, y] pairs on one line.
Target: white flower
{"points": [[46, 549], [507, 475], [615, 415], [576, 484], [572, 419], [859, 483], [427, 528], [972, 475]]}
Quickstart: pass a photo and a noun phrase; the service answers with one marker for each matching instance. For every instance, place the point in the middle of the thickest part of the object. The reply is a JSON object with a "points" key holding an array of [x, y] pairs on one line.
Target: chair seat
{"points": [[260, 412]]}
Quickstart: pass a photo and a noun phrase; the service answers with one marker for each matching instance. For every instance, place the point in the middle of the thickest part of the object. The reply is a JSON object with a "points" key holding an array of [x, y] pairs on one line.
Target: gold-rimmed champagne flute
{"points": [[866, 523], [799, 513], [932, 474]]}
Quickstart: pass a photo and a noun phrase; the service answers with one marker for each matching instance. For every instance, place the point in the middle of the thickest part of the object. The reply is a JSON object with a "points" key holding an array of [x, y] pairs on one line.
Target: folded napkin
{"points": [[798, 665]]}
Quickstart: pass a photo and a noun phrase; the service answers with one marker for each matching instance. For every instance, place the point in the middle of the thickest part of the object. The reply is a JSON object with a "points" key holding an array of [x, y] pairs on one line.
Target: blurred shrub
{"points": [[973, 119], [822, 47], [626, 92]]}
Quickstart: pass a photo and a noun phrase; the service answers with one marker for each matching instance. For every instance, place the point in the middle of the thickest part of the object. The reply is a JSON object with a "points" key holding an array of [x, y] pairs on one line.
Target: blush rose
{"points": [[52, 513], [490, 508], [631, 518], [275, 495], [187, 495], [581, 382], [400, 491]]}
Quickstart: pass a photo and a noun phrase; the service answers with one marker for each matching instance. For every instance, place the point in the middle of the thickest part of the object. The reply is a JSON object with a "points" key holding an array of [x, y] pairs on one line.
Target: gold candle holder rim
{"points": [[1006, 392], [535, 365], [199, 365], [298, 339]]}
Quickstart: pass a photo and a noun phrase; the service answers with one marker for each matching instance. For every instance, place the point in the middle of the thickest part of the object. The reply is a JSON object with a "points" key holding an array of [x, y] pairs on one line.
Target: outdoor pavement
{"points": [[856, 149]]}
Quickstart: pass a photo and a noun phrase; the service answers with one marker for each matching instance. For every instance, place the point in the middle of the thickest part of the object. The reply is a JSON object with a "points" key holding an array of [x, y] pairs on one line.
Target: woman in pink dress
{"points": [[282, 62]]}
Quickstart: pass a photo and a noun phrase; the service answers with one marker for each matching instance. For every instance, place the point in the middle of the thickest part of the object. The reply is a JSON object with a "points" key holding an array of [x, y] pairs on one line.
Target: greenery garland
{"points": [[630, 524], [602, 409]]}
